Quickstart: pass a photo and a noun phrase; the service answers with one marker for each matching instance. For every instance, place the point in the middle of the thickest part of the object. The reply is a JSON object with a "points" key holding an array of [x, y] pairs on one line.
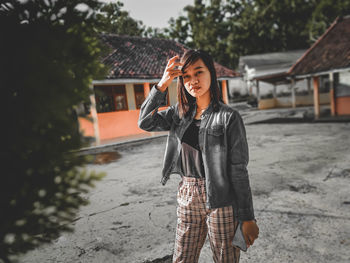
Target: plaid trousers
{"points": [[195, 221]]}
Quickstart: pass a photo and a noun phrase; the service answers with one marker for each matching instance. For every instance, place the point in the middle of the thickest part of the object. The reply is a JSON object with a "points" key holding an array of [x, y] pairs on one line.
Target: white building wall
{"points": [[242, 87], [237, 85]]}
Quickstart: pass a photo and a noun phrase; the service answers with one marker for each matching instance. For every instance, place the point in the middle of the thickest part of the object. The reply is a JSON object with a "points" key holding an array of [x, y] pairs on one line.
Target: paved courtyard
{"points": [[300, 178]]}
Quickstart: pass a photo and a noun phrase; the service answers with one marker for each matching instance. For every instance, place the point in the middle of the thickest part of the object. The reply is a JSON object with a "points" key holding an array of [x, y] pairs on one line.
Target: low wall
{"points": [[301, 100], [342, 105], [114, 124]]}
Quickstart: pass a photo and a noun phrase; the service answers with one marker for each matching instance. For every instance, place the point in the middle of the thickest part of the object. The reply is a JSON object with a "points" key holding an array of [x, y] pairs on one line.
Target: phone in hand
{"points": [[238, 239]]}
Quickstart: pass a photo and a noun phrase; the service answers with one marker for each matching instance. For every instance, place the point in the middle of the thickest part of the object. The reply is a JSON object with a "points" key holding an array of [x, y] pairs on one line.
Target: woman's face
{"points": [[196, 78]]}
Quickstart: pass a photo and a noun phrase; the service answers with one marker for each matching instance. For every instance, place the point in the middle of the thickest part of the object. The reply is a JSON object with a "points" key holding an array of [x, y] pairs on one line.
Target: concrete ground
{"points": [[300, 178]]}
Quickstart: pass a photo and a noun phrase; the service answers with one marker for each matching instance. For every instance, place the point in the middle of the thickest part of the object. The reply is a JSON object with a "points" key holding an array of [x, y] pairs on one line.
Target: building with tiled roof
{"points": [[331, 52], [327, 65], [141, 58], [270, 63], [135, 65], [327, 62], [260, 71]]}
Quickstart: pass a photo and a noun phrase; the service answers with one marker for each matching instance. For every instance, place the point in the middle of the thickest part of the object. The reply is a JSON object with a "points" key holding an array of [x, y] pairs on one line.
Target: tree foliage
{"points": [[113, 19], [49, 56], [231, 28]]}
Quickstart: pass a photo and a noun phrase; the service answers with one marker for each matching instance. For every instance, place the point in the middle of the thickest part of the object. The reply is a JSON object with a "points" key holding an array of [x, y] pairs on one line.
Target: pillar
{"points": [[292, 86], [224, 91], [257, 90], [94, 117], [316, 97], [331, 93], [250, 86], [146, 89]]}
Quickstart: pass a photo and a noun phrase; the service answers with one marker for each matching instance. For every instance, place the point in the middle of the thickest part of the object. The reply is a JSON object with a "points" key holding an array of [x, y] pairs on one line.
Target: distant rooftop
{"points": [[145, 58], [281, 60], [331, 51]]}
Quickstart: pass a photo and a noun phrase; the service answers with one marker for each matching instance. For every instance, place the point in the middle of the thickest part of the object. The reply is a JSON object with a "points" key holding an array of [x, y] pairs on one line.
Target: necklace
{"points": [[200, 111]]}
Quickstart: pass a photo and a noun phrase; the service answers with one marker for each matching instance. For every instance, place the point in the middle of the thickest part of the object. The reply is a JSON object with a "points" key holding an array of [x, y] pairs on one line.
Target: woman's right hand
{"points": [[170, 73]]}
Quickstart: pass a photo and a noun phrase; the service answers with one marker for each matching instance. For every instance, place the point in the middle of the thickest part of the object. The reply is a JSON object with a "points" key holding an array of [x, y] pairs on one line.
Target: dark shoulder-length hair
{"points": [[185, 100]]}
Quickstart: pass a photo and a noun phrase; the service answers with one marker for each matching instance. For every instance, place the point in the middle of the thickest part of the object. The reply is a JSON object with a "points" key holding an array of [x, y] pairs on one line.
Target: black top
{"points": [[191, 155]]}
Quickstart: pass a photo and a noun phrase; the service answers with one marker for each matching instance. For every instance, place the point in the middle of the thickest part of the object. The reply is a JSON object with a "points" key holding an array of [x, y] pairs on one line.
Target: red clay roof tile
{"points": [[145, 58], [330, 51]]}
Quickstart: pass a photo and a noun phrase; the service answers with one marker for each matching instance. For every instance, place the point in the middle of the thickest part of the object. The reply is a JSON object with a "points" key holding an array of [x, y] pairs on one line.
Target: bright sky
{"points": [[155, 13]]}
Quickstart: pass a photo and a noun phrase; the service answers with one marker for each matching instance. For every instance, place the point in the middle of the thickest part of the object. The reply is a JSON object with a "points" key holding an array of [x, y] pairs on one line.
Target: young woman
{"points": [[207, 146]]}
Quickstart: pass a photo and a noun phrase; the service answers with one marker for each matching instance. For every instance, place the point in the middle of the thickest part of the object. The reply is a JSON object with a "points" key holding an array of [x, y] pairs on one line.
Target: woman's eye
{"points": [[199, 72], [185, 77]]}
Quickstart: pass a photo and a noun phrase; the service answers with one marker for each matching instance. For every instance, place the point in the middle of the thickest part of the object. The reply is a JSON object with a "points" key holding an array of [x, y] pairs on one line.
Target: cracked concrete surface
{"points": [[300, 179]]}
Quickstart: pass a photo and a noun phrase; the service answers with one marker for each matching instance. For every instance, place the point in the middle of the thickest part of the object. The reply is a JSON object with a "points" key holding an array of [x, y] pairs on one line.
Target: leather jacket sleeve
{"points": [[152, 120], [237, 167]]}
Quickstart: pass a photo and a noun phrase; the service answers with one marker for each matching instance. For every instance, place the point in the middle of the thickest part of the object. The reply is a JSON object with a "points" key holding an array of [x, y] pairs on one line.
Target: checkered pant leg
{"points": [[195, 221], [222, 225]]}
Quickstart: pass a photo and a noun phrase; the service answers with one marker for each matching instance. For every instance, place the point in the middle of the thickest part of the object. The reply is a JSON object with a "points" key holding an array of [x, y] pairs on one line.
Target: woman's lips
{"points": [[195, 88]]}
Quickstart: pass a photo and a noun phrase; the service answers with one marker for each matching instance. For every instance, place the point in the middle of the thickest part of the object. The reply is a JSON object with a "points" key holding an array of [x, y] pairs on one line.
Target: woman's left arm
{"points": [[238, 158]]}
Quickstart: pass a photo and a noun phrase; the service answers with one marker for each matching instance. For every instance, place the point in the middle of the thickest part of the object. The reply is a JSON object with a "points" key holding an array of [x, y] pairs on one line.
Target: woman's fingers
{"points": [[251, 240], [173, 59], [174, 75], [174, 64], [174, 71], [170, 72], [246, 240]]}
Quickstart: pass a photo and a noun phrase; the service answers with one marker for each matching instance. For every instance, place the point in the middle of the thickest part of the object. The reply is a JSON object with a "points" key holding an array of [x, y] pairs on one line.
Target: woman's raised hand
{"points": [[170, 73]]}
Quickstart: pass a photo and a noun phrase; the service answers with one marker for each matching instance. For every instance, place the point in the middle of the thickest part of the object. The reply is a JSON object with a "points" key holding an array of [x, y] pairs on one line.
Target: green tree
{"points": [[229, 29], [49, 56], [154, 32], [205, 25], [114, 20], [179, 30], [279, 25], [324, 14]]}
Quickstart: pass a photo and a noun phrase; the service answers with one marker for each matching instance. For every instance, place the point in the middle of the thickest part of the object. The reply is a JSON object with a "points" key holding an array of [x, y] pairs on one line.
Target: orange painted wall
{"points": [[86, 126], [343, 106], [114, 124]]}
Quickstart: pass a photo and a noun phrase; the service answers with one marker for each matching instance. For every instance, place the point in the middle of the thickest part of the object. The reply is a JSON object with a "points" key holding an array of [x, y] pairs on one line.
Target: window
{"points": [[342, 84], [110, 98], [324, 84], [120, 98], [139, 95]]}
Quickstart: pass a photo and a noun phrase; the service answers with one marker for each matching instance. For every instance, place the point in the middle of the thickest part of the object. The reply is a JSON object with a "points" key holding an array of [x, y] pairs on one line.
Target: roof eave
{"points": [[315, 74], [142, 80], [124, 81], [290, 71], [228, 78]]}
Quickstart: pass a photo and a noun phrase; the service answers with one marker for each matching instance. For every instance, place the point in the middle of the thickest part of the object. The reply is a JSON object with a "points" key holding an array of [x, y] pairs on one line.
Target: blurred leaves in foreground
{"points": [[49, 54]]}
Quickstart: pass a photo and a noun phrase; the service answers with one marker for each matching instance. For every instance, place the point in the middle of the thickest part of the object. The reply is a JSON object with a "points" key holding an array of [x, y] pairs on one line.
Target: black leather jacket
{"points": [[222, 140]]}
